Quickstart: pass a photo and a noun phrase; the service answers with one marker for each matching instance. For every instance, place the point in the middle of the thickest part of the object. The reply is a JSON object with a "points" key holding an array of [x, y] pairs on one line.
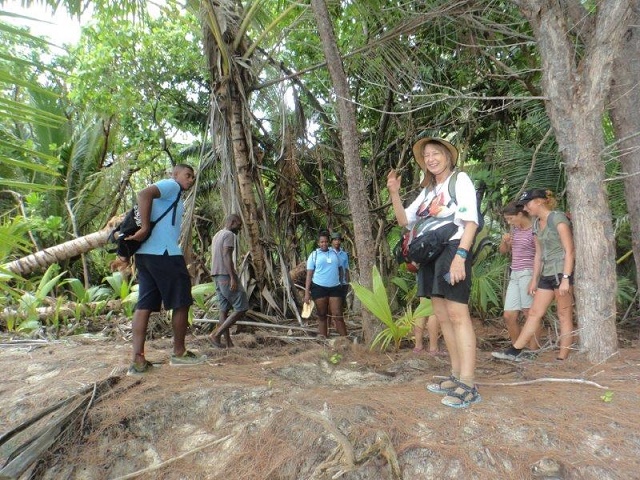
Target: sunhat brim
{"points": [[418, 147]]}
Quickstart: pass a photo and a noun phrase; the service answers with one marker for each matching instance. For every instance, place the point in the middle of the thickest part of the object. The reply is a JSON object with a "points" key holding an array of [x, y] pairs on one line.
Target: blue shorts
{"points": [[226, 298], [162, 280], [431, 281]]}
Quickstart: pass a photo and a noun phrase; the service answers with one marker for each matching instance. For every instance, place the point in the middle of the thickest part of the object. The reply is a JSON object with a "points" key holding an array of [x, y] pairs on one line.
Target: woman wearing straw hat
{"points": [[447, 280]]}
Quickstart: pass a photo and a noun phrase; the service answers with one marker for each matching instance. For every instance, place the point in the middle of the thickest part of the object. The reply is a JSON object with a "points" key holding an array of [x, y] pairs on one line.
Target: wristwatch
{"points": [[564, 275]]}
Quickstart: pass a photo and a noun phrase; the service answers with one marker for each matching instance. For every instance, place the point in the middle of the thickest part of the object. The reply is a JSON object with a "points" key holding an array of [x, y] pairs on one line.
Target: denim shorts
{"points": [[228, 299]]}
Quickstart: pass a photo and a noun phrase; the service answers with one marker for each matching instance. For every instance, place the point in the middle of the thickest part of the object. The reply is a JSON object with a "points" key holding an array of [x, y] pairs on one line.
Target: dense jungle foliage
{"points": [[85, 127]]}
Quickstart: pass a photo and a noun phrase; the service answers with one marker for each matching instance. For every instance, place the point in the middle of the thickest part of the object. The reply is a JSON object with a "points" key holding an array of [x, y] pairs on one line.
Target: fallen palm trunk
{"points": [[59, 253], [66, 413]]}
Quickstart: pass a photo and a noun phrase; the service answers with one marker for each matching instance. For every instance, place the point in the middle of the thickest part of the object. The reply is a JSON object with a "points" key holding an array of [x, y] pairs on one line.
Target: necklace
{"points": [[439, 186]]}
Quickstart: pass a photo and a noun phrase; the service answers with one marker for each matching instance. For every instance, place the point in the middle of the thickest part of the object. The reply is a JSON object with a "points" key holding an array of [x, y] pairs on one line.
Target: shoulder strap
{"points": [[552, 219], [173, 206], [452, 186]]}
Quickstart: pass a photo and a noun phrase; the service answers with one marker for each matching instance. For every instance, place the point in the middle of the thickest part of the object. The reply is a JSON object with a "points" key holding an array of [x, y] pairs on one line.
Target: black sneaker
{"points": [[510, 353]]}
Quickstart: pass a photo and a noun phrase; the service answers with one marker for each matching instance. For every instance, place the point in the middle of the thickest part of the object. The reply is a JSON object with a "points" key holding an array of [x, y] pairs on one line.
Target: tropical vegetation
{"points": [[293, 113]]}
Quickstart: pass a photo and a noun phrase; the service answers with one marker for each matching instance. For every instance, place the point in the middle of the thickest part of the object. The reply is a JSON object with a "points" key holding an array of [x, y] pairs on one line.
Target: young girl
{"points": [[555, 259], [520, 244]]}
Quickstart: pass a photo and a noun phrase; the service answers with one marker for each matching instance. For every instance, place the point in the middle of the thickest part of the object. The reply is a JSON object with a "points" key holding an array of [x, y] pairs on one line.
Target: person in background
{"points": [[229, 290], [555, 258], [163, 278], [343, 256], [433, 328], [520, 244], [323, 284], [447, 280]]}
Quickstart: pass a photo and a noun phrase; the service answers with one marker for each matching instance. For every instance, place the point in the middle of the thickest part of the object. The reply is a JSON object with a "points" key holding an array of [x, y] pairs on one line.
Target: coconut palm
{"points": [[42, 259]]}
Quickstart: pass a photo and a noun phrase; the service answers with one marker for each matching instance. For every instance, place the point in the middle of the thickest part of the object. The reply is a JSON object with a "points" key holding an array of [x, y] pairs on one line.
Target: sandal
{"points": [[462, 399], [418, 351], [439, 387]]}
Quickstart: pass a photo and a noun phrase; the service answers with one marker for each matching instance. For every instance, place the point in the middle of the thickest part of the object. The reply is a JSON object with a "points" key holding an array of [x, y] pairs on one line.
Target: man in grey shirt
{"points": [[230, 292]]}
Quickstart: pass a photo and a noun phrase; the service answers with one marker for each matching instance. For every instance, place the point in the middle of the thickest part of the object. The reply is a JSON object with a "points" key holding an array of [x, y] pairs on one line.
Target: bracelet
{"points": [[462, 253], [564, 275]]}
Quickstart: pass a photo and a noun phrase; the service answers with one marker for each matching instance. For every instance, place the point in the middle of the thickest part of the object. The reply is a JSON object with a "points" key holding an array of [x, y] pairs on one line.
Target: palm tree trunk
{"points": [[358, 201], [246, 178], [232, 126], [58, 253]]}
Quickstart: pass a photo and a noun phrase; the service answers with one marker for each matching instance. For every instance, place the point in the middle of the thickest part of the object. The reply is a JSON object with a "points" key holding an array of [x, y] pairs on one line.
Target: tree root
{"points": [[153, 468], [342, 459]]}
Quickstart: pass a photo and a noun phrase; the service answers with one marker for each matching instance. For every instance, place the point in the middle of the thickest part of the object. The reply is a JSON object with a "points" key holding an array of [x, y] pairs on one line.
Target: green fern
{"points": [[377, 302]]}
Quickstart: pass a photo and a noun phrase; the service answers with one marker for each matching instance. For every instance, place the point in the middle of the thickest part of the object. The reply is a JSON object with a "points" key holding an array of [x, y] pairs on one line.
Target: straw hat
{"points": [[307, 308], [418, 147]]}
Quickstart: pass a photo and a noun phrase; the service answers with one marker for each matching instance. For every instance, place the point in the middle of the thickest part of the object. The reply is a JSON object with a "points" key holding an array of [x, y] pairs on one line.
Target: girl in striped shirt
{"points": [[520, 243]]}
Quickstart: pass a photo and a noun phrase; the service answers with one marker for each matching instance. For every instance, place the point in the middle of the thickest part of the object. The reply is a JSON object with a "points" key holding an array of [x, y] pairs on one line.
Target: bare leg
{"points": [[227, 337], [433, 327], [465, 339], [335, 305], [322, 305], [180, 322], [541, 302], [535, 343], [565, 316], [418, 332], [465, 342], [225, 326], [139, 331], [511, 322], [215, 336], [440, 309]]}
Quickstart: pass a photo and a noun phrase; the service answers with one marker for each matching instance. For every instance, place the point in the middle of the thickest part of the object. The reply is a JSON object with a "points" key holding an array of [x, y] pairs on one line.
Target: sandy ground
{"points": [[281, 407]]}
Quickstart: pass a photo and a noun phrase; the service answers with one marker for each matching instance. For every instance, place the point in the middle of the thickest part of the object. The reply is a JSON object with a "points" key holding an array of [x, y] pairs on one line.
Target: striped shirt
{"points": [[523, 249]]}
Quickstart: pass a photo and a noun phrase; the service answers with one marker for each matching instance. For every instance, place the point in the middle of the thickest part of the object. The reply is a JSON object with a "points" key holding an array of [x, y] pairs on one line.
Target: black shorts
{"points": [[552, 282], [318, 291], [162, 280], [431, 282]]}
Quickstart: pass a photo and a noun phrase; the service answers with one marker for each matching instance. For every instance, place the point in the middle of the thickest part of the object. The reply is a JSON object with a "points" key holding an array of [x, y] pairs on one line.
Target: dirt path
{"points": [[276, 410]]}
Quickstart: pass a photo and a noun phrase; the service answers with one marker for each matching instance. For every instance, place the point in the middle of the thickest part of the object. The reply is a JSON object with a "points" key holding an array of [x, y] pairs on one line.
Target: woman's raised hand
{"points": [[393, 181]]}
